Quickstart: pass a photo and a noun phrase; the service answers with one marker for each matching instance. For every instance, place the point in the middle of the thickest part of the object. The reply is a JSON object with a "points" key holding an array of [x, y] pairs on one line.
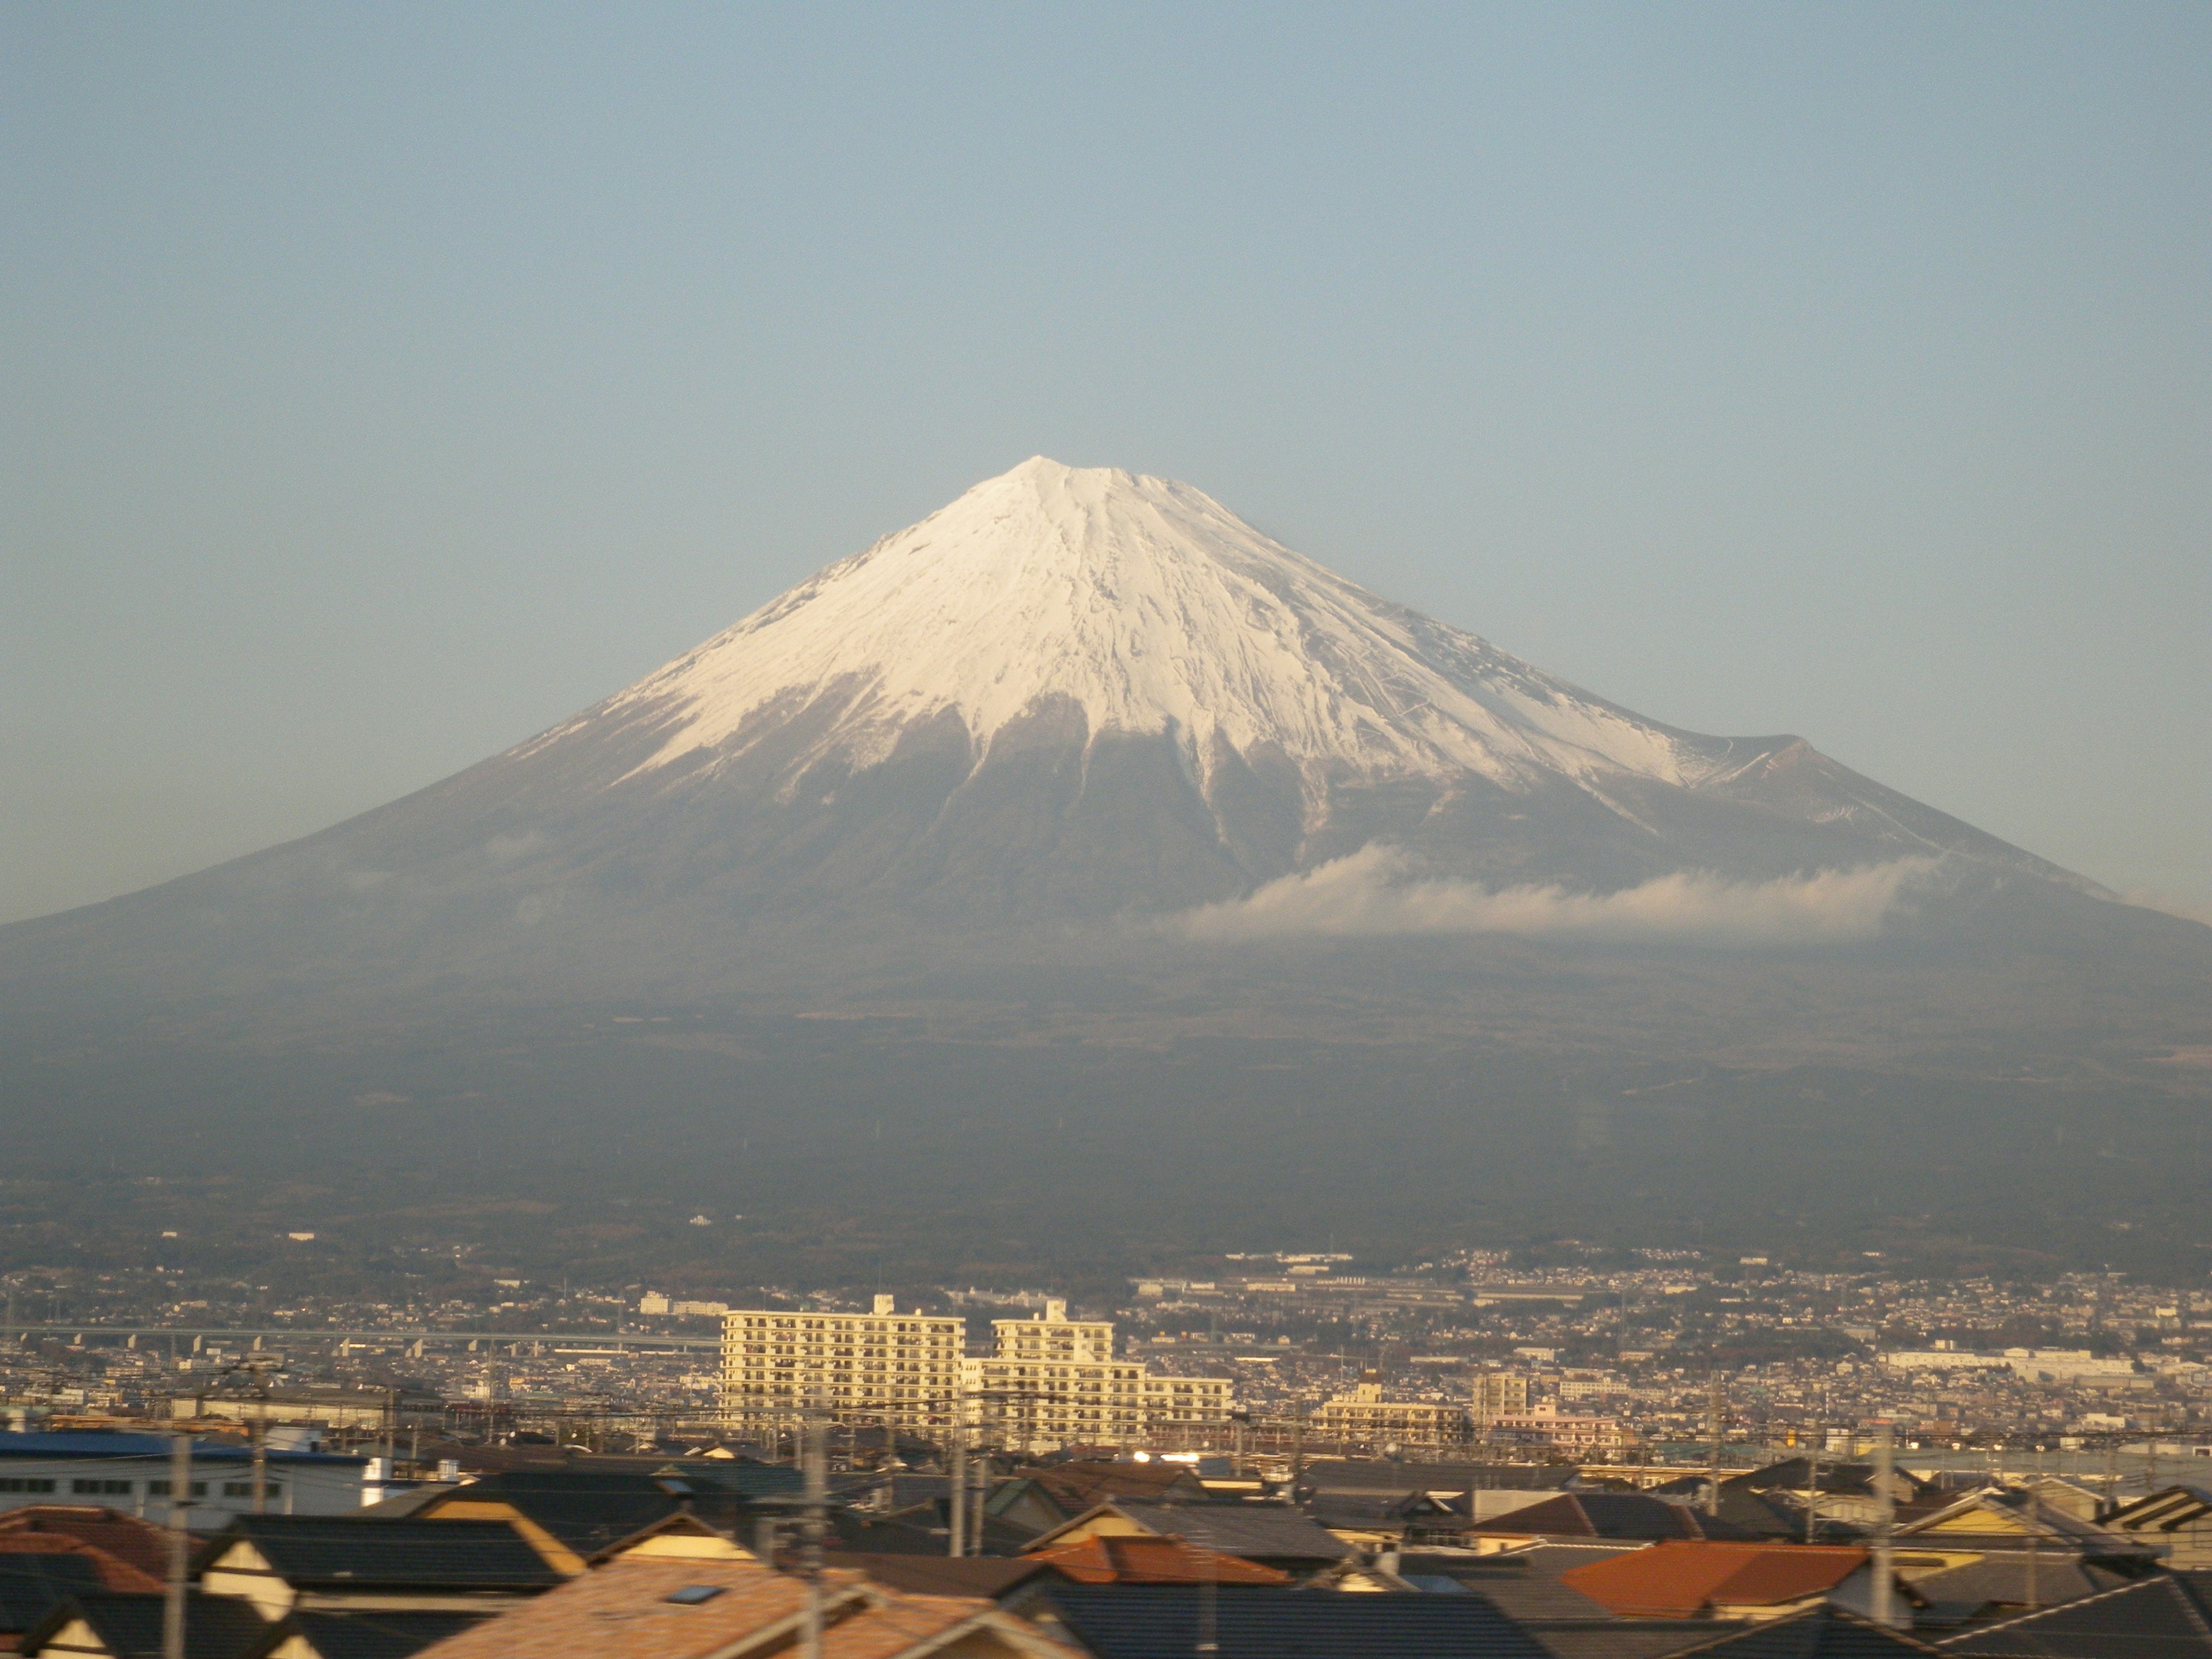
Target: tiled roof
{"points": [[28, 1553], [1121, 1622], [2154, 1618], [1608, 1515], [370, 1635], [1820, 1633], [1258, 1532], [344, 1553], [625, 1610], [2006, 1579], [631, 1596], [31, 1584], [1679, 1580], [941, 1575], [1127, 1560], [125, 1537], [129, 1626]]}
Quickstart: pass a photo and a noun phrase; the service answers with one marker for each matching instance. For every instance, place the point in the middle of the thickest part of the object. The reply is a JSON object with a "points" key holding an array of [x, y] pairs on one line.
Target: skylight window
{"points": [[692, 1594]]}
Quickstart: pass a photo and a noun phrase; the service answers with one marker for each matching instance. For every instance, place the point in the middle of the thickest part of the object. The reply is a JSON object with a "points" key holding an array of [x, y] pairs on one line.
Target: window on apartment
{"points": [[86, 1488], [160, 1488], [244, 1489], [25, 1483]]}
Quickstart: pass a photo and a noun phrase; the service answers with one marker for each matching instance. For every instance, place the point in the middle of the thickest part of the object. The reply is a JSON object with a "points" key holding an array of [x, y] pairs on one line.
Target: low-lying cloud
{"points": [[1368, 894]]}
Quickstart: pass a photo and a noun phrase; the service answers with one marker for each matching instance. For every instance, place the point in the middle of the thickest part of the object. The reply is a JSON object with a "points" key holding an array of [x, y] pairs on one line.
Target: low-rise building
{"points": [[131, 1473], [1365, 1417]]}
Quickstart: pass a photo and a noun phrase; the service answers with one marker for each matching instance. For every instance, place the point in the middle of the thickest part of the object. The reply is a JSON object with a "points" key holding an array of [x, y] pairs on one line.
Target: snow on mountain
{"points": [[1155, 609]]}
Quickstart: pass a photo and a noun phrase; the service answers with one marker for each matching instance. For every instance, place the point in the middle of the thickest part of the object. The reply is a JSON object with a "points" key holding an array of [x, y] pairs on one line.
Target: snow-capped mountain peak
{"points": [[1154, 608]]}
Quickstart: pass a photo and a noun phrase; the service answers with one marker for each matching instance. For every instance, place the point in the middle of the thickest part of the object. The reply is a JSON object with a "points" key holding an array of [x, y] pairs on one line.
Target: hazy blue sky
{"points": [[383, 383]]}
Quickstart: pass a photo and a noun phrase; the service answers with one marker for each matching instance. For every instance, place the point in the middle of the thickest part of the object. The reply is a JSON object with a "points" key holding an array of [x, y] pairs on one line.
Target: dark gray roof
{"points": [[1556, 1556], [1964, 1591], [369, 1635], [1144, 1622], [30, 1584], [1258, 1532], [129, 1626], [341, 1553], [2154, 1618], [1360, 1474], [1824, 1632]]}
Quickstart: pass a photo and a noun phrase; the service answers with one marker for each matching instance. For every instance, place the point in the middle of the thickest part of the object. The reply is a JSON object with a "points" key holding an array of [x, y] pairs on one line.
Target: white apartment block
{"points": [[882, 1367], [1049, 1381]]}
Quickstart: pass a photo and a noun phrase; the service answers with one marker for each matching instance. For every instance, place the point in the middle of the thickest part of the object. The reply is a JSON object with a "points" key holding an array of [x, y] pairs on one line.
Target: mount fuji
{"points": [[1083, 790]]}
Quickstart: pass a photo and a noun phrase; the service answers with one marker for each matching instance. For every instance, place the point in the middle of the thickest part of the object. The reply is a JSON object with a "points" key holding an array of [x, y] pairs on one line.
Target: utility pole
{"points": [[1812, 1488], [180, 1498], [1884, 1526], [2035, 1533], [957, 1530], [810, 1533], [1713, 1433]]}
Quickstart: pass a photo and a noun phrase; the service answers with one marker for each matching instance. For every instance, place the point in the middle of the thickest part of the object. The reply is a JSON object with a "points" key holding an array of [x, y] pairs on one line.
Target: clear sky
{"points": [[383, 383]]}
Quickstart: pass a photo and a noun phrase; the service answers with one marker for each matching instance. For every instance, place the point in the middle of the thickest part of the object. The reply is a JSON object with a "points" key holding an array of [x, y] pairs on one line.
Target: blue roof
{"points": [[104, 1442]]}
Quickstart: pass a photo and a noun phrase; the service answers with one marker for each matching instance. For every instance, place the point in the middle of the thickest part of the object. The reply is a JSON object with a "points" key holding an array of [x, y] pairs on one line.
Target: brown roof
{"points": [[1143, 1560], [136, 1543], [115, 1574], [1676, 1579], [1076, 1486], [625, 1608]]}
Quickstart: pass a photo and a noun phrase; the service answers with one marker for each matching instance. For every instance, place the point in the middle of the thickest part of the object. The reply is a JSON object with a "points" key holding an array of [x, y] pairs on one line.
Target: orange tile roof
{"points": [[1145, 1559], [1680, 1579]]}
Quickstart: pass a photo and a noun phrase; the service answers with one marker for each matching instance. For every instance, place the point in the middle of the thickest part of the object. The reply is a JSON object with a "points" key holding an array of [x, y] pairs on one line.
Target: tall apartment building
{"points": [[1494, 1394], [882, 1367], [1048, 1382], [1055, 1382]]}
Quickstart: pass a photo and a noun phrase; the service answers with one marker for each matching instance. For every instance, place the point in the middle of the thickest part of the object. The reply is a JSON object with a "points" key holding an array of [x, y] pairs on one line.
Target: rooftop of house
{"points": [[343, 1552], [140, 1543], [1141, 1622], [129, 1626], [1684, 1579], [1150, 1560]]}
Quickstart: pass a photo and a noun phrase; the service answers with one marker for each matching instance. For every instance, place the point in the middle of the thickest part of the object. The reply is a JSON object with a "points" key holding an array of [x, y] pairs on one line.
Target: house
{"points": [[39, 1570], [1148, 1622], [577, 1519], [285, 1564], [101, 1625], [1821, 1632], [358, 1635], [734, 1610], [1142, 1558], [2179, 1519], [1703, 1578], [1377, 1521], [1273, 1535], [1075, 1487], [138, 1543], [1610, 1515], [2167, 1614], [130, 1472], [2003, 1521]]}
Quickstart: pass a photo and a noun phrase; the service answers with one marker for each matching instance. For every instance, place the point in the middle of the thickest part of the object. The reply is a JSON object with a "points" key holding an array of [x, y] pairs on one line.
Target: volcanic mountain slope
{"points": [[1070, 696]]}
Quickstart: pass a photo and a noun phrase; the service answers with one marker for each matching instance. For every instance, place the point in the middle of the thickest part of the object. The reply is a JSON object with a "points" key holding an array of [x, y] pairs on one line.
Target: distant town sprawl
{"points": [[1641, 1359]]}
